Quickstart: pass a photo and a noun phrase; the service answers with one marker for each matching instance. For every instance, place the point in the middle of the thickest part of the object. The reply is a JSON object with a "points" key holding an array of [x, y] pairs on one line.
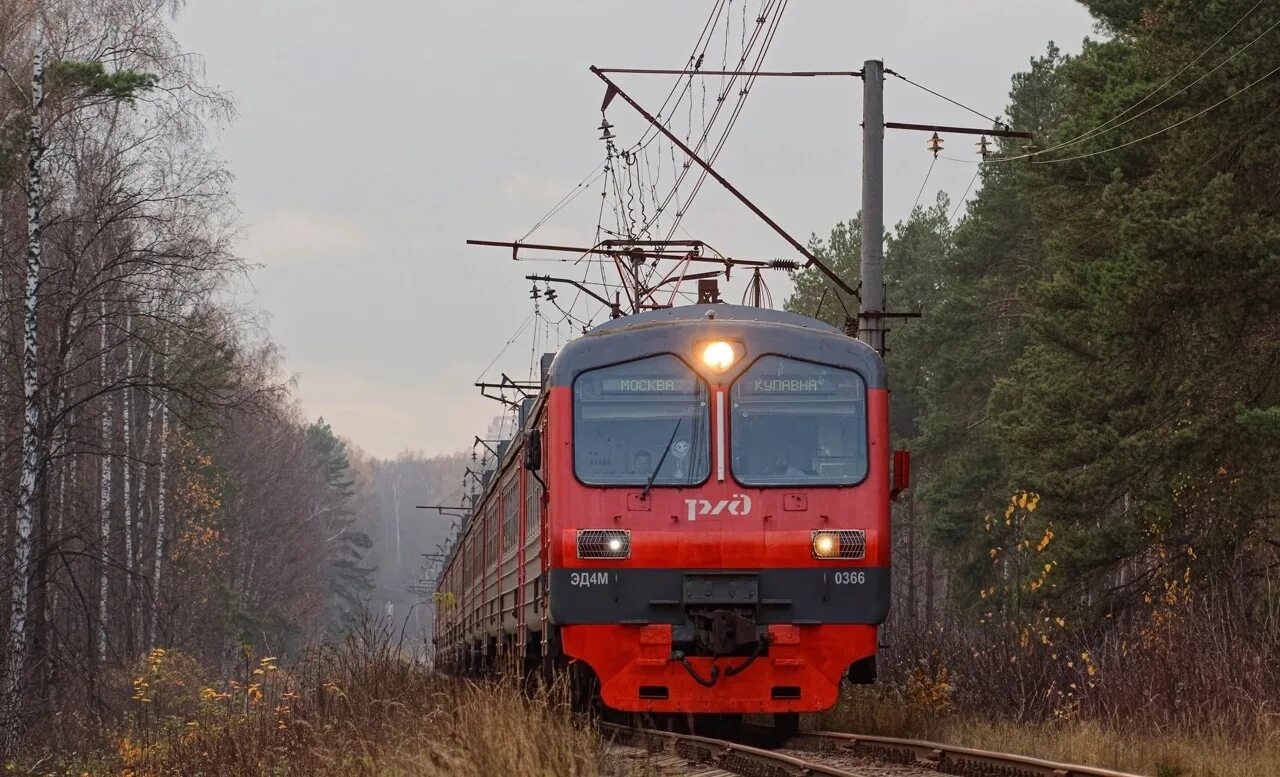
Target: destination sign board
{"points": [[804, 385], [787, 386], [647, 385]]}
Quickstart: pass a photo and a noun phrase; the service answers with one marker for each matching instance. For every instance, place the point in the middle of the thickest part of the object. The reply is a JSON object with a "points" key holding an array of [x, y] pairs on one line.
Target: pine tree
{"points": [[348, 582]]}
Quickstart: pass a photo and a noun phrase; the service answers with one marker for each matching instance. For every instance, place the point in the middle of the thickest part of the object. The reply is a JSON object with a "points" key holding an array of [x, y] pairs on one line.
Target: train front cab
{"points": [[719, 519]]}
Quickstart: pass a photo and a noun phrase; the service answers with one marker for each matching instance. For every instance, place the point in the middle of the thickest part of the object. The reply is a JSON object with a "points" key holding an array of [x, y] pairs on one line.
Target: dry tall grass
{"points": [[358, 709], [914, 711], [1182, 685]]}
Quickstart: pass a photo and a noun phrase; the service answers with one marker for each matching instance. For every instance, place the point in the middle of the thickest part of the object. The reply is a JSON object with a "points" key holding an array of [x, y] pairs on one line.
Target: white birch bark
{"points": [[126, 429], [160, 516], [146, 508], [104, 491], [58, 515], [31, 443]]}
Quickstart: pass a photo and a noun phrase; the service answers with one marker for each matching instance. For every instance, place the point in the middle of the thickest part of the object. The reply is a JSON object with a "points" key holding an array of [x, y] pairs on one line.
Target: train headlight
{"points": [[840, 543], [604, 543], [826, 545], [719, 355]]}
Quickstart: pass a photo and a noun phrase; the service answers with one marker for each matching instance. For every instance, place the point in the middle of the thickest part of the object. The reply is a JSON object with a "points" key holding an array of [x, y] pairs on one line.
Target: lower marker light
{"points": [[604, 544]]}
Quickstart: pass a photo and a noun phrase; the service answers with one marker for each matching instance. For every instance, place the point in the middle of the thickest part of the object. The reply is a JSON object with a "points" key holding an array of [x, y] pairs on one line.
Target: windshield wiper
{"points": [[645, 493]]}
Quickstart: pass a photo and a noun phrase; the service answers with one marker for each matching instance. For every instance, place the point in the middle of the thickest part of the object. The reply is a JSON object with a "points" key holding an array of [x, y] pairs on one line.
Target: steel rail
{"points": [[723, 755], [950, 759]]}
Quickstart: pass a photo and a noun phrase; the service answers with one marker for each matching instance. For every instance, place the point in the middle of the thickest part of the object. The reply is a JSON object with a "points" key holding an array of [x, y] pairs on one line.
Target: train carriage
{"points": [[694, 515]]}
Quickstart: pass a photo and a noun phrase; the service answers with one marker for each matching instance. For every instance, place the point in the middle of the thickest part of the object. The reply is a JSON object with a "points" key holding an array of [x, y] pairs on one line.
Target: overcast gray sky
{"points": [[375, 137]]}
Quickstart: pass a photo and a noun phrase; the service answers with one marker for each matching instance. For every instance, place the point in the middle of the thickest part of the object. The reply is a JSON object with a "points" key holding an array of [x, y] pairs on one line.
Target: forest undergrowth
{"points": [[361, 708], [1176, 696], [358, 708]]}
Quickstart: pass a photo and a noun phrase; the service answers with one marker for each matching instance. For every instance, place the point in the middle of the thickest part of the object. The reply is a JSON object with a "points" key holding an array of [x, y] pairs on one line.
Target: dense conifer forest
{"points": [[1092, 393]]}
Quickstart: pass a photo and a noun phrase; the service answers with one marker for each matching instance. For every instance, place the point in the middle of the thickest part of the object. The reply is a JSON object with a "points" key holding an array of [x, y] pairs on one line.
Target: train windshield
{"points": [[799, 423], [634, 419]]}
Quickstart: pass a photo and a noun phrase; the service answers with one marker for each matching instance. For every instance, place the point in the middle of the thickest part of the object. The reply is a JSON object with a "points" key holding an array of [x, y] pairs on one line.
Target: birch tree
{"points": [[162, 485], [104, 497], [31, 463], [152, 623]]}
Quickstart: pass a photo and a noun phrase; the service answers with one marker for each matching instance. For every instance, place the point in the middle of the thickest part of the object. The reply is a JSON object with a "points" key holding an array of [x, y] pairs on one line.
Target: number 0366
{"points": [[852, 577]]}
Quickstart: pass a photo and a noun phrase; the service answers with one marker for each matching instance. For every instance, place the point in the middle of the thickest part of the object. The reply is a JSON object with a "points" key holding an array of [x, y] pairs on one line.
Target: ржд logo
{"points": [[739, 504]]}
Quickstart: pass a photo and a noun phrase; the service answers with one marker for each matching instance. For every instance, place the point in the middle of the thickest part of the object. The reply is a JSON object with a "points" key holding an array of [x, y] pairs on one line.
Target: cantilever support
{"points": [[811, 261]]}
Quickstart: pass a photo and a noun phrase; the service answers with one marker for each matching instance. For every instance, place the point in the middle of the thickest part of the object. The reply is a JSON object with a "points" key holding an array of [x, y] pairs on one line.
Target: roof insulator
{"points": [[984, 147], [935, 144]]}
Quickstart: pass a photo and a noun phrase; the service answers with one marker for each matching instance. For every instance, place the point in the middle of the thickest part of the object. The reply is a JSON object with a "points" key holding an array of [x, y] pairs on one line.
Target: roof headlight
{"points": [[719, 355]]}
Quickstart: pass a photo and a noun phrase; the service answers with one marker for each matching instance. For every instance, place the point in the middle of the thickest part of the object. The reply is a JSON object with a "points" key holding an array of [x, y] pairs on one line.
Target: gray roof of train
{"points": [[678, 330]]}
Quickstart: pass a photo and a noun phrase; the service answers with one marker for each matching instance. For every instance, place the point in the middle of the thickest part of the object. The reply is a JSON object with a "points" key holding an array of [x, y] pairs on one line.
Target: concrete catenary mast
{"points": [[871, 308]]}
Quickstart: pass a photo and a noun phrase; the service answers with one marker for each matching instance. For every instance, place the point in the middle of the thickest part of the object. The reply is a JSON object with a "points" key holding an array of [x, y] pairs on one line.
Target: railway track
{"points": [[832, 754]]}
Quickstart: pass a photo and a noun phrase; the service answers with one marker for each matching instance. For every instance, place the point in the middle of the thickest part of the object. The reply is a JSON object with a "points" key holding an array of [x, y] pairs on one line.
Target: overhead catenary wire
{"points": [[967, 189], [954, 102], [519, 331], [533, 348], [733, 119], [563, 202], [631, 219], [682, 84], [923, 184], [768, 33], [1108, 125], [1119, 119], [1034, 156], [1238, 142], [604, 196], [704, 40], [720, 100], [567, 316], [1158, 132], [751, 79]]}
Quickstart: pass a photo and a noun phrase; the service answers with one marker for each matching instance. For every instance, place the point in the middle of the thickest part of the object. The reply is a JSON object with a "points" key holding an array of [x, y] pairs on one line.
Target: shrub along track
{"points": [[821, 753]]}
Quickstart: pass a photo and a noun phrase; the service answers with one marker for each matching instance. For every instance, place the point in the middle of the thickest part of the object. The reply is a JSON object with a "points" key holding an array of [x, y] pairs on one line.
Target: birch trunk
{"points": [[31, 431], [56, 515], [104, 492], [160, 516], [126, 429]]}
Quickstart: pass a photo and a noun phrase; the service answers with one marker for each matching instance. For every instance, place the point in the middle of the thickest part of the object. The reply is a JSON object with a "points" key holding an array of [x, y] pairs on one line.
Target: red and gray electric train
{"points": [[694, 515]]}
